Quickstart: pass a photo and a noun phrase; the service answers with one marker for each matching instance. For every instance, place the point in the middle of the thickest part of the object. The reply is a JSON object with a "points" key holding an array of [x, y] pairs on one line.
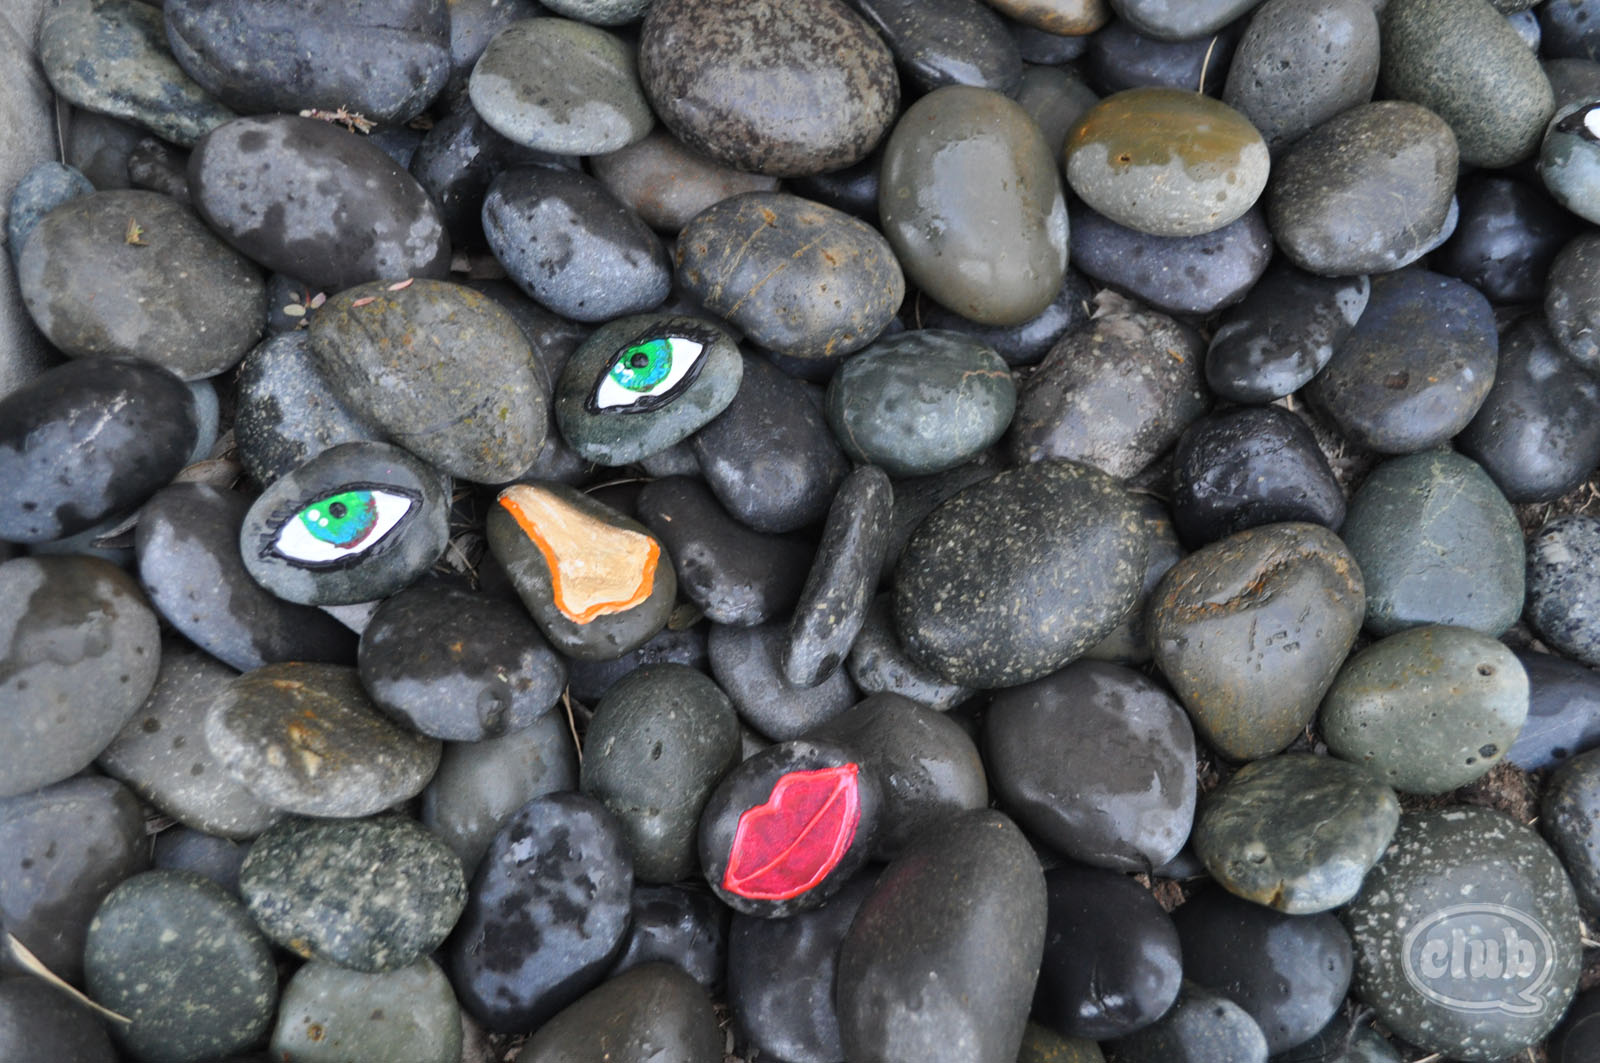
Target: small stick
{"points": [[1205, 64]]}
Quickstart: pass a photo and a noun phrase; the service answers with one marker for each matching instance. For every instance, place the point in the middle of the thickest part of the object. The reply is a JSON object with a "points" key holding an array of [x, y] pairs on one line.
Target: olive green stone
{"points": [[1467, 935], [1295, 832], [1462, 60], [970, 198], [1040, 1044], [921, 401], [1427, 710], [1166, 162], [1251, 630]]}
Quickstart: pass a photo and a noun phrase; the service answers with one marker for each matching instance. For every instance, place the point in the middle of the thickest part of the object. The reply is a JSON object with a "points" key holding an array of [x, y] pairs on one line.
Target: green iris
{"points": [[643, 365], [343, 519]]}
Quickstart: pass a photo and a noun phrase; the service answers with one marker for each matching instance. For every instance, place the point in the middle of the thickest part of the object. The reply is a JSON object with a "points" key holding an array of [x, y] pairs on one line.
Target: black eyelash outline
{"points": [[705, 337], [1574, 123], [282, 515]]}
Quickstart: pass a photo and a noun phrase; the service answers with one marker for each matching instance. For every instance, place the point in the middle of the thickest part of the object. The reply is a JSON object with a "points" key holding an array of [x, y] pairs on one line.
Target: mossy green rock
{"points": [[1427, 710], [1166, 162], [331, 1014]]}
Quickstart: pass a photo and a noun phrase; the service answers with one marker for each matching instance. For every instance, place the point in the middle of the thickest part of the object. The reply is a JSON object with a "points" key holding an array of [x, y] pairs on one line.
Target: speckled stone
{"points": [[1427, 710], [344, 759], [1572, 299], [1569, 815], [916, 497], [1251, 630], [1366, 191], [1564, 584], [288, 413], [1296, 832], [651, 1012], [769, 87], [82, 653], [878, 664], [373, 895], [1454, 882], [1563, 712], [1200, 1027], [946, 42], [37, 1018], [329, 1013], [797, 277], [179, 957], [1437, 544], [1128, 642], [667, 183], [1283, 333], [1166, 162], [1096, 761], [1019, 574], [111, 56], [1462, 60], [970, 197]]}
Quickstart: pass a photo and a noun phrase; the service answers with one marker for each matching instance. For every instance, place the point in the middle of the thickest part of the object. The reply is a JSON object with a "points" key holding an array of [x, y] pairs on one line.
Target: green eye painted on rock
{"points": [[647, 375], [341, 526], [644, 365]]}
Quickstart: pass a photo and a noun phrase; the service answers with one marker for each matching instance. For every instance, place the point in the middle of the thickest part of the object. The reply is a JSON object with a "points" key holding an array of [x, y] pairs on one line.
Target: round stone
{"points": [[1466, 935], [1564, 585], [1200, 1027], [878, 664], [1283, 333], [650, 1012], [41, 190], [1166, 22], [1427, 710], [1166, 162], [329, 1013], [1295, 832]]}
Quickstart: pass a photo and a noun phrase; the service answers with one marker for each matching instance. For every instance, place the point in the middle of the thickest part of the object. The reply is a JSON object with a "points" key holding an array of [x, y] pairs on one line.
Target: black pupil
{"points": [[639, 360], [337, 511]]}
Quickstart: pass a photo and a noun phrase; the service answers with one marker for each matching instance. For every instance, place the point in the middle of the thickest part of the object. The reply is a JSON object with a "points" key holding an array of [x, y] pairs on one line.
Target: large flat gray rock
{"points": [[27, 138]]}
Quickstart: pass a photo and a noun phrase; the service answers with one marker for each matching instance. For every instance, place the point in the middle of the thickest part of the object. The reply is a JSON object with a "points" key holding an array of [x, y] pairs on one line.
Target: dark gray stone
{"points": [[410, 1013], [36, 1018], [1056, 98], [41, 190], [288, 413], [1572, 299], [1507, 237], [680, 925], [1563, 579], [647, 1013], [1569, 815], [1563, 712], [1200, 1027], [946, 42], [747, 662], [1028, 342], [878, 664], [667, 183], [588, 681], [1119, 57], [1128, 642], [187, 849], [1283, 333], [1180, 22]]}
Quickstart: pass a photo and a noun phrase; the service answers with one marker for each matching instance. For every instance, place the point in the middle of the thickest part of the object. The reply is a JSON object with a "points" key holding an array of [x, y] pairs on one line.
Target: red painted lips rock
{"points": [[786, 846]]}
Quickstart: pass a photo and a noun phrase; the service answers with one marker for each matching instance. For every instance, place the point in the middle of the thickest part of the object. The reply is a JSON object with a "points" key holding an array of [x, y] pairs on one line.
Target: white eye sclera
{"points": [[647, 375], [341, 526]]}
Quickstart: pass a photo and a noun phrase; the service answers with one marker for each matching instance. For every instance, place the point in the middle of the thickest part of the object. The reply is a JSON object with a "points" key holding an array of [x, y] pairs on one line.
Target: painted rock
{"points": [[409, 1013], [597, 583], [667, 183], [651, 1012], [373, 895], [659, 743], [1019, 574], [971, 200], [787, 827], [1570, 818], [1466, 935], [748, 663], [680, 925], [288, 413], [1201, 1027], [1251, 630], [1283, 333], [797, 277], [707, 69], [304, 738], [545, 914], [640, 384], [1568, 158], [354, 524], [441, 369], [1166, 162], [1296, 832], [1427, 710]]}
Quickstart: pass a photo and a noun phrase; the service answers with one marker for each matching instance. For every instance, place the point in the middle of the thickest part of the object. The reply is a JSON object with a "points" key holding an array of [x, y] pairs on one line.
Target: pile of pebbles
{"points": [[807, 531]]}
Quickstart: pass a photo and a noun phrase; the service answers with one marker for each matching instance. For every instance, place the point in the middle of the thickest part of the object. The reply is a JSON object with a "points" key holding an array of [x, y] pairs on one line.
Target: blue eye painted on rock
{"points": [[338, 528], [647, 375]]}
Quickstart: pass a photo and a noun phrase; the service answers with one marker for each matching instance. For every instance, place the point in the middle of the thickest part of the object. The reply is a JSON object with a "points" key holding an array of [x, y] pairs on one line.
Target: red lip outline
{"points": [[787, 845]]}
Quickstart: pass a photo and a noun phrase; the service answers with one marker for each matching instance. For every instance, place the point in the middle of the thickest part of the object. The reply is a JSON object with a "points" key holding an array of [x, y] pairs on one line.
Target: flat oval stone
{"points": [[1462, 60], [113, 58], [163, 757], [1096, 761], [410, 1013], [660, 741], [545, 915], [309, 199], [641, 384], [797, 277], [667, 183], [1289, 972], [1416, 367], [1201, 1027], [122, 429], [67, 846], [170, 293], [1571, 305], [748, 663], [36, 1017], [458, 665], [970, 198], [82, 653], [598, 585], [651, 1012], [1295, 832], [1508, 235], [946, 42], [1569, 815], [1427, 710], [1019, 574], [1466, 934], [921, 401], [373, 895], [770, 458], [1283, 332], [305, 738], [1563, 712], [1367, 191], [1437, 544], [288, 413], [710, 71], [179, 957], [1167, 22], [1251, 630], [385, 61], [878, 664], [442, 370], [572, 246], [679, 925], [1113, 394], [919, 928], [560, 86], [356, 523], [187, 545]]}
